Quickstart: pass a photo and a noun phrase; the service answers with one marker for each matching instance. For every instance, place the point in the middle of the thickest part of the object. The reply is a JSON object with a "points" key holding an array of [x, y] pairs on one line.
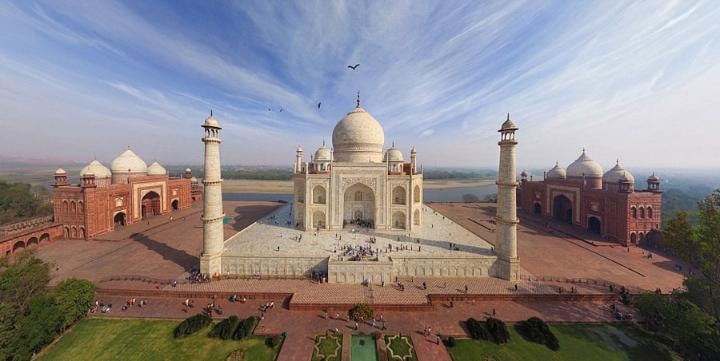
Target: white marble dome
{"points": [[616, 174], [211, 122], [60, 171], [128, 162], [556, 172], [156, 169], [323, 154], [394, 155], [358, 138], [96, 168], [584, 166]]}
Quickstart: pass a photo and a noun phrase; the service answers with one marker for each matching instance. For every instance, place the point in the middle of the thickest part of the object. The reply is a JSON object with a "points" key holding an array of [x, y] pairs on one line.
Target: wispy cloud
{"points": [[438, 75]]}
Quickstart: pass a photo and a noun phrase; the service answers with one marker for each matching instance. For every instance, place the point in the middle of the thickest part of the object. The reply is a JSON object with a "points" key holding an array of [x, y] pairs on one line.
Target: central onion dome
{"points": [[128, 162], [358, 138], [557, 172], [617, 173], [156, 169], [585, 166], [96, 168]]}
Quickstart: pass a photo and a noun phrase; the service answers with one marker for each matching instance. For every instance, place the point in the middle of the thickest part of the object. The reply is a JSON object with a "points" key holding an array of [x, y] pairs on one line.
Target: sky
{"points": [[638, 81]]}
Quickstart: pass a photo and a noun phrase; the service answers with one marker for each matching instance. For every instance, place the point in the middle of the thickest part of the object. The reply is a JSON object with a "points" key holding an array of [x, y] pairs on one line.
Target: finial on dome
{"points": [[128, 146], [323, 142], [617, 161], [357, 102], [508, 117], [211, 112], [393, 144], [583, 150]]}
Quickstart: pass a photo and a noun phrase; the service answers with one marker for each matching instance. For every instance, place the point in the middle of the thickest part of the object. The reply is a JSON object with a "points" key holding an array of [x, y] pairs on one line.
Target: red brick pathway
{"points": [[427, 350]]}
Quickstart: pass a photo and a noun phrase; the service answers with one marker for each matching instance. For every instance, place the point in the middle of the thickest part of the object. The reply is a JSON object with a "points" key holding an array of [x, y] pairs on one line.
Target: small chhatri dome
{"points": [[508, 125], [617, 173], [323, 154], [393, 154], [584, 166], [193, 180], [211, 121], [128, 162], [557, 172], [188, 170], [95, 167], [359, 138], [653, 178], [413, 151], [524, 174], [299, 149], [60, 171], [156, 169]]}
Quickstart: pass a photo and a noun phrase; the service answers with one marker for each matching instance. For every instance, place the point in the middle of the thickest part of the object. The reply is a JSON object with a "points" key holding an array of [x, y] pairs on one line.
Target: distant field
{"points": [[127, 340], [586, 342]]}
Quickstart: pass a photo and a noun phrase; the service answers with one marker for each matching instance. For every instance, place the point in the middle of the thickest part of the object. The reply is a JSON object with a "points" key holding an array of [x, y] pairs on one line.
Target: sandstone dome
{"points": [[616, 174], [584, 166], [156, 169], [358, 138], [557, 172], [96, 168], [128, 162]]}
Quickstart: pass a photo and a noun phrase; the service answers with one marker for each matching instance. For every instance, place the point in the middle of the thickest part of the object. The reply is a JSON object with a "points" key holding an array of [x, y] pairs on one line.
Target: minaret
{"points": [[213, 215], [506, 218], [413, 161], [298, 159]]}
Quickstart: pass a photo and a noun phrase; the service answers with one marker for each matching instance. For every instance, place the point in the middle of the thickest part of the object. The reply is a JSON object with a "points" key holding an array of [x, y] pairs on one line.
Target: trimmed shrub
{"points": [[272, 341], [476, 329], [498, 331], [245, 328], [191, 325], [537, 331], [225, 329], [377, 335], [449, 341], [361, 311]]}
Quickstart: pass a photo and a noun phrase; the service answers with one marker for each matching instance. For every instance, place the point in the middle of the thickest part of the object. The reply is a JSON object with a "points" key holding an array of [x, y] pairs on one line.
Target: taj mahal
{"points": [[357, 216]]}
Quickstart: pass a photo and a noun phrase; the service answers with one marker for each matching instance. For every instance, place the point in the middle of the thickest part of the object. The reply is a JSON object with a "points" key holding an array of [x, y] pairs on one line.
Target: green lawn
{"points": [[582, 342], [105, 339], [400, 347]]}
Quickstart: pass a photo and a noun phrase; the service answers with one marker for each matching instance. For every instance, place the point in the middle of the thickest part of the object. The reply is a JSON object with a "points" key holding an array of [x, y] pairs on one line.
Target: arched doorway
{"points": [[594, 225], [319, 195], [398, 220], [33, 241], [150, 204], [175, 204], [318, 220], [119, 219], [562, 209], [537, 208], [633, 238], [18, 245], [44, 237], [67, 232], [359, 206]]}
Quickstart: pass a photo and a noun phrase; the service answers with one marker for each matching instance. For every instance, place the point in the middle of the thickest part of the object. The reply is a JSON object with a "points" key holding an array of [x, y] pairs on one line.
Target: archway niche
{"points": [[119, 219], [398, 220], [398, 195], [319, 195], [359, 206], [150, 204], [562, 209], [175, 204], [594, 225], [318, 220]]}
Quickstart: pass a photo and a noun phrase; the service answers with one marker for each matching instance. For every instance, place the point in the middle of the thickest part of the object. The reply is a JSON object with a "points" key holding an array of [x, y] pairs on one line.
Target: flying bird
{"points": [[353, 67], [281, 109], [319, 105]]}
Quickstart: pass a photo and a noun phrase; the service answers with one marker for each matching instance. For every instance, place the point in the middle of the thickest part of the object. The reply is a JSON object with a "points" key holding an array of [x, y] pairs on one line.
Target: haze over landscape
{"points": [[636, 81]]}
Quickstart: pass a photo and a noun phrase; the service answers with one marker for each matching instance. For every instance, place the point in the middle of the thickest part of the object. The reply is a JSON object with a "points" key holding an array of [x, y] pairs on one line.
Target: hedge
{"points": [[476, 329], [225, 329], [245, 328], [537, 331], [497, 330], [191, 325]]}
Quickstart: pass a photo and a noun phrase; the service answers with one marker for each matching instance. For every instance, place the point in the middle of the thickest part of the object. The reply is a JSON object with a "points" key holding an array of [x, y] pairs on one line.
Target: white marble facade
{"points": [[357, 181]]}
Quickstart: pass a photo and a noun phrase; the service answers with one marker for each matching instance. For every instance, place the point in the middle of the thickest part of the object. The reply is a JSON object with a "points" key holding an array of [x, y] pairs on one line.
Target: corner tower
{"points": [[213, 215], [506, 217]]}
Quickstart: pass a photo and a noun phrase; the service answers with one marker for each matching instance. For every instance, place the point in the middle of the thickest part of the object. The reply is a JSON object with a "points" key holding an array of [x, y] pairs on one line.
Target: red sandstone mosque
{"points": [[606, 204], [126, 193]]}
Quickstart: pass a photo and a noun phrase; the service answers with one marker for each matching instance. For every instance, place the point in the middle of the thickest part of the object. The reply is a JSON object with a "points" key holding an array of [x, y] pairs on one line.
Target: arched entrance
{"points": [[398, 195], [633, 238], [359, 206], [18, 245], [119, 219], [398, 220], [175, 205], [32, 242], [318, 220], [562, 209], [44, 237], [537, 208], [594, 225], [150, 204]]}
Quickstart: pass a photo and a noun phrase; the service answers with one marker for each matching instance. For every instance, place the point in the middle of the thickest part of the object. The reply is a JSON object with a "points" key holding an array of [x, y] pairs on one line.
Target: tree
{"points": [[73, 298], [22, 279], [470, 198], [699, 245]]}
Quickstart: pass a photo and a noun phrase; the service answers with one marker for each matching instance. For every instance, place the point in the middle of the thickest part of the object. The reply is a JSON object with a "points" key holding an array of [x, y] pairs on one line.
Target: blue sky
{"points": [[637, 81]]}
